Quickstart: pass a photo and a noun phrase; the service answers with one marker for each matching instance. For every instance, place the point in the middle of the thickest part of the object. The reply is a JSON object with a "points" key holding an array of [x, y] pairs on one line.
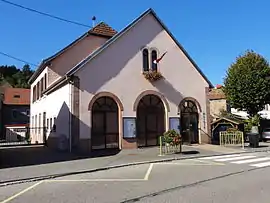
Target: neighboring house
{"points": [[97, 94], [15, 111], [3, 85], [1, 124], [219, 103], [16, 107]]}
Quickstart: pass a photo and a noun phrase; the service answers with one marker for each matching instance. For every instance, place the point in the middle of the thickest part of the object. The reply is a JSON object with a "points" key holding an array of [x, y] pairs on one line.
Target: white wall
{"points": [[41, 75], [56, 104]]}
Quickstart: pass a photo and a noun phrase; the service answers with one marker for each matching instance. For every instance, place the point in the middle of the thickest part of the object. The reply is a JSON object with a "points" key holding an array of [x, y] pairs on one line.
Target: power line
{"points": [[45, 14], [15, 58]]}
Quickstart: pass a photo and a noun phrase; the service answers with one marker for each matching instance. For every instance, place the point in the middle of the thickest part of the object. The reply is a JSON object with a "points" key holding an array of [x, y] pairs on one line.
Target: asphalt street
{"points": [[237, 178]]}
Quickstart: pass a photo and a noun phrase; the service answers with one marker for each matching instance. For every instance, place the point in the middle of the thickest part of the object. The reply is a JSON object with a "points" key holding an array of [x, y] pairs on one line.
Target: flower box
{"points": [[152, 75]]}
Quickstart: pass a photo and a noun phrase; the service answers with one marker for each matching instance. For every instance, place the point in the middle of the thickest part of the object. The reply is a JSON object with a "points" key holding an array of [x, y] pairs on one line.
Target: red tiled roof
{"points": [[17, 96], [103, 29]]}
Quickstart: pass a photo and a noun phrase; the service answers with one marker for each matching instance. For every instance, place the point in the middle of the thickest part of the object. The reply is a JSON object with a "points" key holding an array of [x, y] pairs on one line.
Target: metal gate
{"points": [[105, 124], [189, 122], [150, 121], [21, 135]]}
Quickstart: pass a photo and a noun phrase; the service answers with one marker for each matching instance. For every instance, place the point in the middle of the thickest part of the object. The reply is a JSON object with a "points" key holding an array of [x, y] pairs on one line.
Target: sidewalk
{"points": [[33, 162]]}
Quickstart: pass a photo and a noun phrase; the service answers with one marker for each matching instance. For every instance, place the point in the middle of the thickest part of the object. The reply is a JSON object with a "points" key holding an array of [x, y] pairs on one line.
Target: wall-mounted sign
{"points": [[204, 120], [129, 125], [174, 124]]}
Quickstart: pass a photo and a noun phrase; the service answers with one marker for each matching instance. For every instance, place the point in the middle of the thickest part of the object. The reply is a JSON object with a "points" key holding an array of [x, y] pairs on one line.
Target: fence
{"points": [[14, 136], [231, 138], [166, 148]]}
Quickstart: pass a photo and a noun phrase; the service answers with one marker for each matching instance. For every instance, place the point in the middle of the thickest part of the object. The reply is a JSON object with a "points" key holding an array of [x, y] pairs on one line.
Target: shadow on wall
{"points": [[124, 50], [167, 89]]}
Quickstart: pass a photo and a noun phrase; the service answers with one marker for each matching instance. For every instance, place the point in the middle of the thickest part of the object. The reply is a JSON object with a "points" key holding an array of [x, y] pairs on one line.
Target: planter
{"points": [[152, 75]]}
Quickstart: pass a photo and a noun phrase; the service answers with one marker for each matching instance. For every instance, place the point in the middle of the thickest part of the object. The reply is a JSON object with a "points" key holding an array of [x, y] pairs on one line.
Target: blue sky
{"points": [[213, 32]]}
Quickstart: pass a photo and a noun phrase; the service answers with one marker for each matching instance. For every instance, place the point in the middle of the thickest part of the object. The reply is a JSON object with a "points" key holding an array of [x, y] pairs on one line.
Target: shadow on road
{"points": [[36, 155]]}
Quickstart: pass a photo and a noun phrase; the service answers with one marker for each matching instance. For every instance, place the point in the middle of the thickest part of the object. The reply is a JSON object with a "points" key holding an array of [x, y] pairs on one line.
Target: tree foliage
{"points": [[16, 77], [247, 84]]}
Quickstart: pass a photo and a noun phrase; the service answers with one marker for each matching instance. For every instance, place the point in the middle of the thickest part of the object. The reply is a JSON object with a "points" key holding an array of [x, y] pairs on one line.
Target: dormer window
{"points": [[145, 60], [16, 96]]}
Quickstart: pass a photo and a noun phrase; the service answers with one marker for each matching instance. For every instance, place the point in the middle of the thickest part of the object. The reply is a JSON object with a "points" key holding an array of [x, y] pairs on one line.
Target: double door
{"points": [[189, 128], [150, 125], [105, 133]]}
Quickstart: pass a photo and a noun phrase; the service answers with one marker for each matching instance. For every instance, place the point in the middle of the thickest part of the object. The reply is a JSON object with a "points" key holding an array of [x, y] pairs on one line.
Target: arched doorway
{"points": [[189, 122], [105, 124], [150, 120]]}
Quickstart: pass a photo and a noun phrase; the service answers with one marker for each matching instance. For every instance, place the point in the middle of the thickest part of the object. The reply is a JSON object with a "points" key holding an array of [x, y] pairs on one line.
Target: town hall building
{"points": [[110, 89]]}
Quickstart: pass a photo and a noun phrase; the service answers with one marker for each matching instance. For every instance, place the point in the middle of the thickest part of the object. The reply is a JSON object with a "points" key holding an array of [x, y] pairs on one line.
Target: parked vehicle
{"points": [[266, 134]]}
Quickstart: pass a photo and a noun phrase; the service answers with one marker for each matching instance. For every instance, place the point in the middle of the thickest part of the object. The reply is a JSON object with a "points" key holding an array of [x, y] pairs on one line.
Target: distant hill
{"points": [[11, 75]]}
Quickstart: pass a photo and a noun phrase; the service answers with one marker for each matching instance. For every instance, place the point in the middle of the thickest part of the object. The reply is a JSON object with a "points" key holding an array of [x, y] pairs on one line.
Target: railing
{"points": [[230, 138], [166, 148], [14, 136]]}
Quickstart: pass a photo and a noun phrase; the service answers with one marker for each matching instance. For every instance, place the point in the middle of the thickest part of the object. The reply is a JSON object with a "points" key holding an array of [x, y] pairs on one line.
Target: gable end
{"points": [[125, 30]]}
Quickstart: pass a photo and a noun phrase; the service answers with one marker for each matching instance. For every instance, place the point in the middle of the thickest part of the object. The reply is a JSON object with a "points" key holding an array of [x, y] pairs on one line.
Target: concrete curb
{"points": [[47, 177]]}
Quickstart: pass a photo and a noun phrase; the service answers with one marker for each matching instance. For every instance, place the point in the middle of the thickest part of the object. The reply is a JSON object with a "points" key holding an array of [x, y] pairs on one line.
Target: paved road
{"points": [[30, 162], [212, 179]]}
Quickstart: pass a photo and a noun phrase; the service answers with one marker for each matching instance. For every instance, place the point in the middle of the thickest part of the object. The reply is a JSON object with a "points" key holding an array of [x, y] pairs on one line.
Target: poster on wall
{"points": [[174, 124], [129, 125]]}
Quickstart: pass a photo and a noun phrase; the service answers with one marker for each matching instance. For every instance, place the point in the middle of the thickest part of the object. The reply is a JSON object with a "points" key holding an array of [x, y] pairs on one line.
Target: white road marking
{"points": [[146, 177], [261, 164], [94, 180], [235, 158], [217, 157], [251, 160], [22, 192]]}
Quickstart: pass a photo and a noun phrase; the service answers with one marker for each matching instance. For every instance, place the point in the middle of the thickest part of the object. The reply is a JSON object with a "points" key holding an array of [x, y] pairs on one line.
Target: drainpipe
{"points": [[70, 115]]}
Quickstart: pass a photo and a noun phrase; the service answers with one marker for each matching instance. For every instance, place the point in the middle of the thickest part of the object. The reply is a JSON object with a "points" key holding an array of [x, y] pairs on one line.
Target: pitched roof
{"points": [[102, 29], [229, 119], [16, 96], [125, 30]]}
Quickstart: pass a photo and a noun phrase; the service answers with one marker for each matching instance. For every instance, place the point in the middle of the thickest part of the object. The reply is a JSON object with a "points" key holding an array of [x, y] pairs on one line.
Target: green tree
{"points": [[16, 77], [247, 84]]}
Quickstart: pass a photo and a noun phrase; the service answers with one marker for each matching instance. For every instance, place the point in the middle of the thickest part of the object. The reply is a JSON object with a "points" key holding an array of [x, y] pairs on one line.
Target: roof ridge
{"points": [[127, 28], [105, 31]]}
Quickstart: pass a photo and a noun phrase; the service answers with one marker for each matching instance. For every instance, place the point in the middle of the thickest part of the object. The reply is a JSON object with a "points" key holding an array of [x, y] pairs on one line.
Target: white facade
{"points": [[56, 107], [117, 72]]}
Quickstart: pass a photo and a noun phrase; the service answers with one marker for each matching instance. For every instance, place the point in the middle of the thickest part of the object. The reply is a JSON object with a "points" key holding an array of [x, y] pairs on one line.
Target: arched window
{"points": [[145, 60], [153, 59]]}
